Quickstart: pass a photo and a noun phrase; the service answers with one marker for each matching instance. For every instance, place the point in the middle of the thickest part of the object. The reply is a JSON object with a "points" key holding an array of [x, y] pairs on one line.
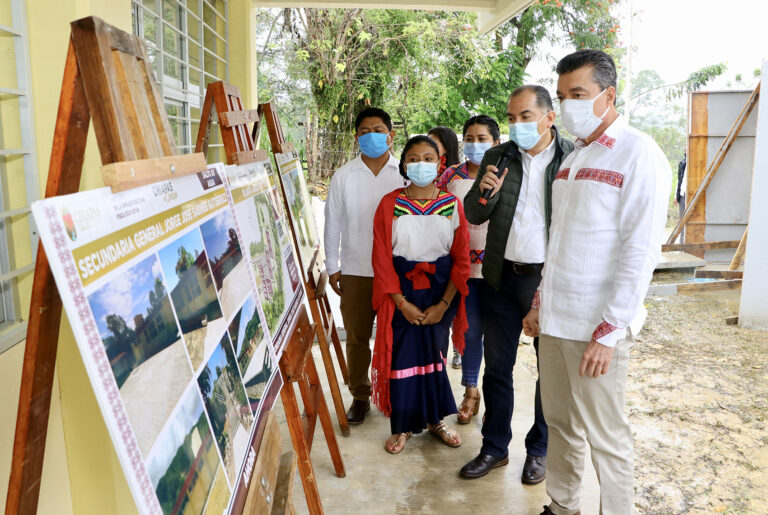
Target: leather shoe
{"points": [[534, 470], [481, 465], [356, 413], [548, 511]]}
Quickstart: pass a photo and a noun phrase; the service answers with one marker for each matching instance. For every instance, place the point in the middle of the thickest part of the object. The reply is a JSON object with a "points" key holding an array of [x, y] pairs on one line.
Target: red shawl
{"points": [[386, 282]]}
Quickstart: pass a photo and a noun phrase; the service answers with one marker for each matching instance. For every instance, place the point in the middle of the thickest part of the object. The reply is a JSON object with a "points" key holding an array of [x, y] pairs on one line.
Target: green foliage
{"points": [[426, 68], [185, 261], [696, 80]]}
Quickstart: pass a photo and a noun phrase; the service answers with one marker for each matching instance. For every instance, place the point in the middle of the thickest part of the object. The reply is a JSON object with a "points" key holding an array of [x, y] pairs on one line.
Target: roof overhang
{"points": [[492, 13]]}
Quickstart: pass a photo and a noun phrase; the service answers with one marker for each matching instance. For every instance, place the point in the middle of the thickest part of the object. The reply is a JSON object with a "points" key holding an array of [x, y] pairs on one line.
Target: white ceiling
{"points": [[492, 13]]}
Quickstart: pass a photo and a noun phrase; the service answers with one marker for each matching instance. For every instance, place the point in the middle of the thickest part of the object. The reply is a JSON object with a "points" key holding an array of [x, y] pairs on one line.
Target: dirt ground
{"points": [[698, 404]]}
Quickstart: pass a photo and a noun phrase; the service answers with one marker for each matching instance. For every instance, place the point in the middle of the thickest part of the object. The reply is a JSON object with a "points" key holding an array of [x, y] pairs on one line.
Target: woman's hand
{"points": [[434, 313], [411, 313]]}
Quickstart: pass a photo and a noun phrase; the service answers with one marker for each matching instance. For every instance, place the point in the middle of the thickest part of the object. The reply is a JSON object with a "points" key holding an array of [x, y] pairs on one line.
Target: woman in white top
{"points": [[480, 133], [420, 262]]}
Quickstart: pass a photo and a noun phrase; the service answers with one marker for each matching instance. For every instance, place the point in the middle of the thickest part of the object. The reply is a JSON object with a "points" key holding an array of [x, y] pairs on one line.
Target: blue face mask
{"points": [[476, 151], [525, 134], [421, 173], [373, 144]]}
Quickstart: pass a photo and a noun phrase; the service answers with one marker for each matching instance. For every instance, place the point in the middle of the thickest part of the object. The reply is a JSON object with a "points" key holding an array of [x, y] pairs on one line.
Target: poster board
{"points": [[257, 201], [299, 202], [160, 298]]}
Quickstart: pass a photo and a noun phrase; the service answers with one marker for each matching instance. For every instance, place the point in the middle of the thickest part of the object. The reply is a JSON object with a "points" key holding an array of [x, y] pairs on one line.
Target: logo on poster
{"points": [[69, 224], [165, 191]]}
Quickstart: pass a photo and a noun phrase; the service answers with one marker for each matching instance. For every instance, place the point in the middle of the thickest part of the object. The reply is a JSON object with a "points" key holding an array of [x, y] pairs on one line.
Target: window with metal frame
{"points": [[188, 44], [19, 184]]}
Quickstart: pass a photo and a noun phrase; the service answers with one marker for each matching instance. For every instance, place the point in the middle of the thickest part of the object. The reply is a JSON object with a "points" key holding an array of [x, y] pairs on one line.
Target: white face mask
{"points": [[579, 116]]}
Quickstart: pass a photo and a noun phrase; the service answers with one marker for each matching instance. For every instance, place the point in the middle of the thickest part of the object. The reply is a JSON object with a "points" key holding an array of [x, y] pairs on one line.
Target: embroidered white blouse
{"points": [[456, 180], [423, 230], [353, 197], [609, 203]]}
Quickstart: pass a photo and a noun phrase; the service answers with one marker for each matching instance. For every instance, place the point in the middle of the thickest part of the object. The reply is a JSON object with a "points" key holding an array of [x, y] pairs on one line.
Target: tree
{"points": [[425, 68], [185, 261], [156, 295]]}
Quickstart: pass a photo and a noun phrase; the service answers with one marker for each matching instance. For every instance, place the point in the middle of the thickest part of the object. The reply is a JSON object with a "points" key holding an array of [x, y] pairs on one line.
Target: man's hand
{"points": [[434, 313], [531, 323], [412, 313], [491, 181], [595, 360], [335, 280]]}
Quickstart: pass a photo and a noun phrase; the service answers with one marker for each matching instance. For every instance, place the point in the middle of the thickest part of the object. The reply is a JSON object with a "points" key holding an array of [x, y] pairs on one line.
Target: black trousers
{"points": [[502, 324]]}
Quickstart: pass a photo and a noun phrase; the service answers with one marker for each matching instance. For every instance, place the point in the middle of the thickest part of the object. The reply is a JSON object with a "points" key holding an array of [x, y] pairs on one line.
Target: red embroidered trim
{"points": [[603, 329], [606, 141], [563, 174], [476, 256], [607, 176], [536, 300]]}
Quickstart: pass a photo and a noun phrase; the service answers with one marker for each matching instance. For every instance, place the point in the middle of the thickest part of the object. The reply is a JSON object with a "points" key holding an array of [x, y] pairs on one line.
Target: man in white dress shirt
{"points": [[355, 192], [609, 203]]}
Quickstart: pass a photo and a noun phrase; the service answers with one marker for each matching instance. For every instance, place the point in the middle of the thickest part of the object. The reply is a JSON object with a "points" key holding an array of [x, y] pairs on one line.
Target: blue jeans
{"points": [[503, 322], [473, 338]]}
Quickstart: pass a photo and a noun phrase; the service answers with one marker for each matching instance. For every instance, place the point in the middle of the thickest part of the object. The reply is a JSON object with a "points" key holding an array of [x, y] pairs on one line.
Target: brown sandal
{"points": [[446, 434], [469, 407], [395, 450]]}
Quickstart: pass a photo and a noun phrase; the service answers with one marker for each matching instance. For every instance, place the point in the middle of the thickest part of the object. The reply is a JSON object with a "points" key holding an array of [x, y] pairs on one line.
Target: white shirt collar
{"points": [[608, 138]]}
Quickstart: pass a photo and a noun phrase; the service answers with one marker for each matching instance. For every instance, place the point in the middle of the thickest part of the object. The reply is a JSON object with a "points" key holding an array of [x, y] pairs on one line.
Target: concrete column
{"points": [[753, 312]]}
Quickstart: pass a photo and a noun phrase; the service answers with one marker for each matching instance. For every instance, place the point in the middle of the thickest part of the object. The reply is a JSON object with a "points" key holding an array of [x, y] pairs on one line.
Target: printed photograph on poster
{"points": [[184, 464], [259, 209], [227, 406], [225, 256], [251, 351], [144, 346], [300, 203], [185, 265]]}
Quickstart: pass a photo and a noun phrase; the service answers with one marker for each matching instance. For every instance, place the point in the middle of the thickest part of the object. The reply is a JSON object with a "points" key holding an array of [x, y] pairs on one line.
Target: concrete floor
{"points": [[424, 477]]}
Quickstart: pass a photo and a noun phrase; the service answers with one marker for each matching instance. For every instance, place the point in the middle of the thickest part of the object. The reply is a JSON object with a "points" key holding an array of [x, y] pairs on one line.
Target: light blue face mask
{"points": [[373, 144], [525, 134], [476, 151], [421, 173]]}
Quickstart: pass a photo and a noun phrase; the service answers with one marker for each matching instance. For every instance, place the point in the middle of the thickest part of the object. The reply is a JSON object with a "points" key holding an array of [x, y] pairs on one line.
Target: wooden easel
{"points": [[107, 76], [240, 147], [298, 366]]}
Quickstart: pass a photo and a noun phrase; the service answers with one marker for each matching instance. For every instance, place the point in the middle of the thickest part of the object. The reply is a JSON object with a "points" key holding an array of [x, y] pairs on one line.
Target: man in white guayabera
{"points": [[609, 203], [355, 192]]}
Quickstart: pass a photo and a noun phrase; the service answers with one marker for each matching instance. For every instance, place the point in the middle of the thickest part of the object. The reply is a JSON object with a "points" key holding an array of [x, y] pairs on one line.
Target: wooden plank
{"points": [[738, 258], [132, 174], [93, 49], [232, 118], [248, 156], [673, 260], [156, 105], [69, 139], [707, 245], [727, 284], [294, 356], [717, 160], [261, 491], [135, 125], [325, 419], [283, 504], [718, 274], [141, 99]]}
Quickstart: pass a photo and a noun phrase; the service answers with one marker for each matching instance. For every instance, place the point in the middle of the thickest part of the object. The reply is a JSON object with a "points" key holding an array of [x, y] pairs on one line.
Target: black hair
{"points": [[411, 143], [450, 143], [543, 99], [603, 67], [483, 119], [373, 112]]}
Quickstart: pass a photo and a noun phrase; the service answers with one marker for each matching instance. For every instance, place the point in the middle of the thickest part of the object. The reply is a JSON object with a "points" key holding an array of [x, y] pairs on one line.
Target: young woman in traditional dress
{"points": [[421, 267]]}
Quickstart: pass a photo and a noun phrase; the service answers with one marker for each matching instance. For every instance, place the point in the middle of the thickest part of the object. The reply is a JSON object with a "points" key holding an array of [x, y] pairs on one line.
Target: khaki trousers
{"points": [[358, 314], [581, 410]]}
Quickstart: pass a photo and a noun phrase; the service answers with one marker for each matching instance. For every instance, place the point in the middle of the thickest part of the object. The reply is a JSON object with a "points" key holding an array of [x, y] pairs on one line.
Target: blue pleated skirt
{"points": [[420, 392]]}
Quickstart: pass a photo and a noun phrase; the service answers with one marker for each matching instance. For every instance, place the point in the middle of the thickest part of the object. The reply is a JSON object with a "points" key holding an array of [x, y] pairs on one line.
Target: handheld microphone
{"points": [[503, 163]]}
